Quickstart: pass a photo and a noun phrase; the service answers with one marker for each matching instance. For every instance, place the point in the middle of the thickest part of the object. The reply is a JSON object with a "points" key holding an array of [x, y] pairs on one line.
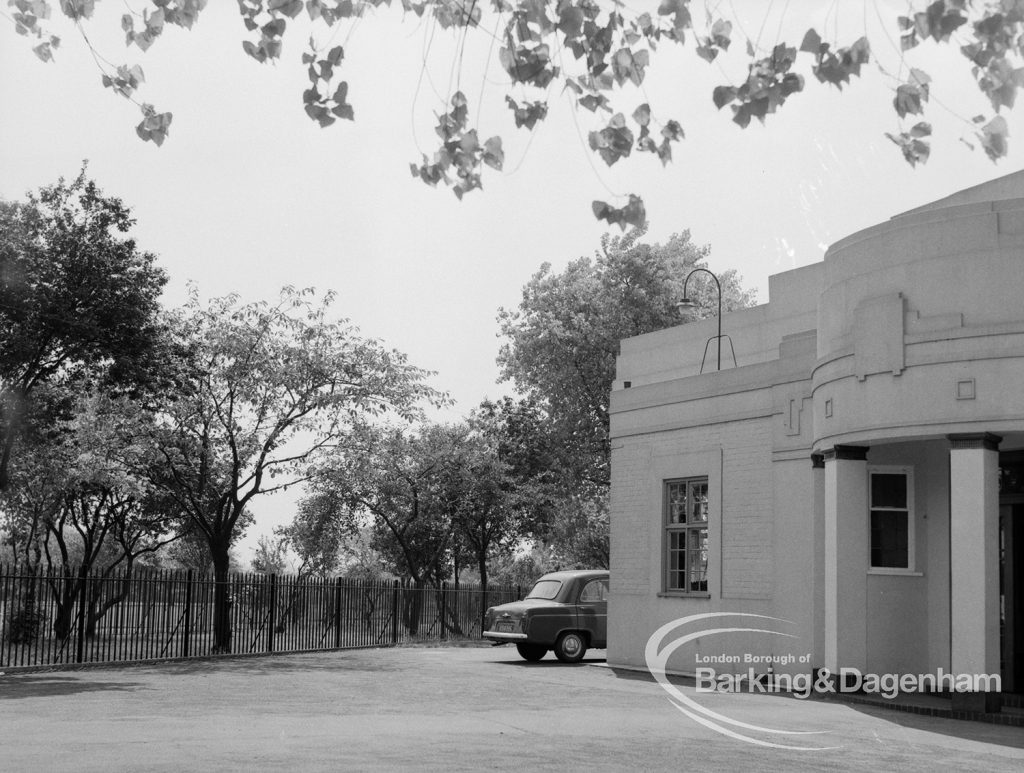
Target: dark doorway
{"points": [[1011, 595], [1011, 569]]}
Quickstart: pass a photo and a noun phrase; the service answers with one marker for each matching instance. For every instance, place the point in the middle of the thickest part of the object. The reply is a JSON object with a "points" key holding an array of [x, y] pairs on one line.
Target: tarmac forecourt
{"points": [[442, 708]]}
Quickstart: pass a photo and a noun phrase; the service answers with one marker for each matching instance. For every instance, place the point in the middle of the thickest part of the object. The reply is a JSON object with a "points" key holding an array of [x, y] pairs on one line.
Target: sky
{"points": [[248, 194]]}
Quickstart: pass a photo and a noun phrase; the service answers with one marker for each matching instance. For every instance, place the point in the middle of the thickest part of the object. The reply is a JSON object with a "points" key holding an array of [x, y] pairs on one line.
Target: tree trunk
{"points": [[482, 566], [64, 600], [221, 596], [413, 606], [369, 606], [93, 614], [482, 559], [98, 608]]}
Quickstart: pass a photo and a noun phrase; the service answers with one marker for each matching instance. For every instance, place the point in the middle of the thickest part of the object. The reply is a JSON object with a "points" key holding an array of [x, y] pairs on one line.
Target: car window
{"points": [[545, 589], [595, 590]]}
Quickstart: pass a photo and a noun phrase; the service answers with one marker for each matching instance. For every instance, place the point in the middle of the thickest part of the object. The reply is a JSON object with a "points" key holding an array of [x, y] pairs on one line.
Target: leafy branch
{"points": [[461, 152], [608, 52]]}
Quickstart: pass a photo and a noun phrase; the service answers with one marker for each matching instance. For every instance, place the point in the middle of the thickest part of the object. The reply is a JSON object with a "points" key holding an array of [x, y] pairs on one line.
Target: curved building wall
{"points": [[921, 327]]}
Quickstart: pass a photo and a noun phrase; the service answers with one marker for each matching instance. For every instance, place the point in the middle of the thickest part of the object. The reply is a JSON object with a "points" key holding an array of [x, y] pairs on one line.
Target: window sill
{"points": [[890, 572], [679, 594]]}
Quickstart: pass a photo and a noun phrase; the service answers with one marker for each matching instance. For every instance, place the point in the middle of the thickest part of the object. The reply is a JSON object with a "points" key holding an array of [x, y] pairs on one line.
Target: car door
{"points": [[592, 611]]}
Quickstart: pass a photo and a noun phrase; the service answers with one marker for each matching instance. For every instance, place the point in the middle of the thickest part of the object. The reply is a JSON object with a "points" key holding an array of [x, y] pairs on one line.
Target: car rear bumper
{"points": [[502, 636]]}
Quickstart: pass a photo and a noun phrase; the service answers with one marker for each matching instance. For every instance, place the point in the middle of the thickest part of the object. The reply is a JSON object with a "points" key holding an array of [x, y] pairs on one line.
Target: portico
{"points": [[853, 543]]}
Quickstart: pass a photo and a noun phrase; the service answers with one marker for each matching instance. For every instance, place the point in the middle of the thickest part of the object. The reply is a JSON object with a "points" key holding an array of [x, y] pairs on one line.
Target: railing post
{"points": [[337, 613], [270, 614], [187, 644], [394, 613]]}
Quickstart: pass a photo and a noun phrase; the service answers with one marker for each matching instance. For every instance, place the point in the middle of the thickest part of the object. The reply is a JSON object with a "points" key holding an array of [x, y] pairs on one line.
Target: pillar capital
{"points": [[985, 440], [846, 453], [818, 461]]}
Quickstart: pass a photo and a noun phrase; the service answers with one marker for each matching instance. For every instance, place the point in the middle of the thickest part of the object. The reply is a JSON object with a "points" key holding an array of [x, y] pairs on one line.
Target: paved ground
{"points": [[443, 709]]}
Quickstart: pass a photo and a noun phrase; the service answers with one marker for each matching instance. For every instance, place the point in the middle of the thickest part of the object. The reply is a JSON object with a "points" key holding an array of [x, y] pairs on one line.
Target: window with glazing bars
{"points": [[892, 523], [686, 535]]}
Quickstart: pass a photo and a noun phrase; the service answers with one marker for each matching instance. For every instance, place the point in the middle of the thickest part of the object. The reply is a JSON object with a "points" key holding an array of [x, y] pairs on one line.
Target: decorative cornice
{"points": [[846, 453], [818, 461], [985, 440]]}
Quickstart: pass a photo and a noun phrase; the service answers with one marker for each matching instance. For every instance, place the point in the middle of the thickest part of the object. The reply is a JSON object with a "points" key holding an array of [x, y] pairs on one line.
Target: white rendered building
{"points": [[859, 474]]}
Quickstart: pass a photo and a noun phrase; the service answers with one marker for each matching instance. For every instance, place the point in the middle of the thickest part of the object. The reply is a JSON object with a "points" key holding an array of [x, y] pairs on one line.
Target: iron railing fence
{"points": [[52, 617]]}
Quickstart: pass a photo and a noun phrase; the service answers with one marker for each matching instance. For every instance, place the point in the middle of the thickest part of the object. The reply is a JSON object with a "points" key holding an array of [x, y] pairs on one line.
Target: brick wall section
{"points": [[746, 554], [747, 510], [632, 538]]}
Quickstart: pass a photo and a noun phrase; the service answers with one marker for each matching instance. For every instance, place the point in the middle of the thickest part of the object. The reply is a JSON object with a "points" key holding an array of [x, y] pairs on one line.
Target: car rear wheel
{"points": [[570, 647], [532, 652]]}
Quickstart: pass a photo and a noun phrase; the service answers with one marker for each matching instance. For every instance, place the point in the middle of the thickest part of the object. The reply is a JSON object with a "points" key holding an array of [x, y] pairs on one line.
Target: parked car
{"points": [[564, 611]]}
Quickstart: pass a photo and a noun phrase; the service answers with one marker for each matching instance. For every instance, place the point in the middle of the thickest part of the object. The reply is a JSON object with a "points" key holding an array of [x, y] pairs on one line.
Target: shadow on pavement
{"points": [[954, 728], [968, 730], [47, 686], [300, 663], [646, 676], [551, 662]]}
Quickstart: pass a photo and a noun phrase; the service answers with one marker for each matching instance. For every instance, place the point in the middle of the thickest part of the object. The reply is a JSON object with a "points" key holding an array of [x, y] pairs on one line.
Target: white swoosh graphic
{"points": [[657, 660]]}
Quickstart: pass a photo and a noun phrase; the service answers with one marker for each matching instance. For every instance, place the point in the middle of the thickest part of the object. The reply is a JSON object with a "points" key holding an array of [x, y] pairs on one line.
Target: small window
{"points": [[686, 535], [595, 590], [545, 589], [892, 522]]}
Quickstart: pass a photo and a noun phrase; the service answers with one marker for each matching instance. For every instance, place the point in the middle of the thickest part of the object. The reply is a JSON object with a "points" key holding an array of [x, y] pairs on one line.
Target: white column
{"points": [[818, 616], [846, 558], [974, 555]]}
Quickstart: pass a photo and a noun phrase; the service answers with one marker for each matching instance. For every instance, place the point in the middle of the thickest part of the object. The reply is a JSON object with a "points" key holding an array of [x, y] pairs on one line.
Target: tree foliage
{"points": [[559, 351], [271, 555], [492, 509], [600, 53], [563, 519], [393, 479], [320, 534], [562, 340], [533, 462], [273, 384], [432, 495], [75, 294], [80, 499], [579, 533]]}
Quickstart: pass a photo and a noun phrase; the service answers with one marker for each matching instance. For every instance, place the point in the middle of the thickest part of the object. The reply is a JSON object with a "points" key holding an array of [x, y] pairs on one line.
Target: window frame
{"points": [[908, 473], [668, 528]]}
